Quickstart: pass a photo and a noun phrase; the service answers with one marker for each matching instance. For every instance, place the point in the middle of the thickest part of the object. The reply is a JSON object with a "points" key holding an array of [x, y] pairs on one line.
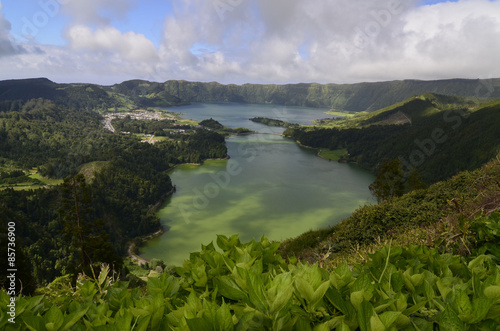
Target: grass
{"points": [[44, 180], [89, 169], [38, 182], [135, 269], [21, 186], [161, 138], [332, 155], [179, 120], [341, 113]]}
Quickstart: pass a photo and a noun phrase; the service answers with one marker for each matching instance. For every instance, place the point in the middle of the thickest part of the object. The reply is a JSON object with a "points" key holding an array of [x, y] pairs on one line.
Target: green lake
{"points": [[270, 186]]}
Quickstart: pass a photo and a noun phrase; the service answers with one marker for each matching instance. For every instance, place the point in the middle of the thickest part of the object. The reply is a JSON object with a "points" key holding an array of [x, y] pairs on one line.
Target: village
{"points": [[148, 116], [139, 115]]}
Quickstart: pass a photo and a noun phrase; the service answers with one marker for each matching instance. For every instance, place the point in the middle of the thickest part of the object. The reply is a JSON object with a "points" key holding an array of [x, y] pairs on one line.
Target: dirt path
{"points": [[134, 257]]}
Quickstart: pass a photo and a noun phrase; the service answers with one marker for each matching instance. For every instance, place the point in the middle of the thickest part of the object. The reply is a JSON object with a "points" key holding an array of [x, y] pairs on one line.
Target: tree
{"points": [[415, 181], [390, 181], [84, 233]]}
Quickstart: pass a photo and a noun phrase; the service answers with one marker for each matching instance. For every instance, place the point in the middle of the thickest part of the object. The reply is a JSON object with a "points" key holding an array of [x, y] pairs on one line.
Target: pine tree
{"points": [[390, 181], [81, 230]]}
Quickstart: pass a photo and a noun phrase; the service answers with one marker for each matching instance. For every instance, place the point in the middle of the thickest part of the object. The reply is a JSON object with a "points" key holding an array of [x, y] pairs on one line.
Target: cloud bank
{"points": [[262, 41]]}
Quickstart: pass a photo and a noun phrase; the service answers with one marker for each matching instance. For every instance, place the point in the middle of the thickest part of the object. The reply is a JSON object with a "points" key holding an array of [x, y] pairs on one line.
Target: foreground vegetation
{"points": [[251, 287]]}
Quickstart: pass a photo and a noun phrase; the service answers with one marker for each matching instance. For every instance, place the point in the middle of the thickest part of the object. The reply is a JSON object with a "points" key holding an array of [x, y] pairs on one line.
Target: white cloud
{"points": [[281, 41], [96, 12], [110, 41], [6, 45], [340, 41]]}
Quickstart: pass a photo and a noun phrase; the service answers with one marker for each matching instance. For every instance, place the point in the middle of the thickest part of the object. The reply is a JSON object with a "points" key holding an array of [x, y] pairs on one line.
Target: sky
{"points": [[249, 41]]}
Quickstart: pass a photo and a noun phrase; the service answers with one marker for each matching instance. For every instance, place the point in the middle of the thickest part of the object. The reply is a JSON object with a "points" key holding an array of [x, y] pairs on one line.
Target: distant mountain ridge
{"points": [[350, 97], [141, 93]]}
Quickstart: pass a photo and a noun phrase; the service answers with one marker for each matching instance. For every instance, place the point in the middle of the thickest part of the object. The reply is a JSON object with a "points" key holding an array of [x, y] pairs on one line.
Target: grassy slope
{"points": [[410, 111], [90, 169], [335, 155], [419, 217], [423, 216]]}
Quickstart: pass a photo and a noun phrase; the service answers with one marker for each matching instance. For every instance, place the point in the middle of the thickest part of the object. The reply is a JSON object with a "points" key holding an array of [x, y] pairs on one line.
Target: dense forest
{"points": [[124, 181]]}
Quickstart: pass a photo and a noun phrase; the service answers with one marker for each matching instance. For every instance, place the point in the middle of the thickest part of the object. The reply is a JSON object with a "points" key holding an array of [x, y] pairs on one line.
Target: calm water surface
{"points": [[270, 186]]}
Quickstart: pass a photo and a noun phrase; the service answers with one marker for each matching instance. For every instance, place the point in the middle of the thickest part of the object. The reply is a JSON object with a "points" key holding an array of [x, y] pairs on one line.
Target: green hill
{"points": [[139, 93], [438, 135], [80, 96], [351, 97]]}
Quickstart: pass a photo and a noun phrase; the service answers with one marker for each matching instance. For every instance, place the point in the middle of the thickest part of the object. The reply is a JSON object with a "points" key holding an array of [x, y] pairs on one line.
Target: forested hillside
{"points": [[351, 97], [138, 93], [113, 183], [14, 93], [437, 135]]}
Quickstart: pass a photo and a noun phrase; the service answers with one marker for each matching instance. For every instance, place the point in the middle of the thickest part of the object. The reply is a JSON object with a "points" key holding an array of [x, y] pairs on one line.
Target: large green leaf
{"points": [[337, 300], [228, 288], [282, 299], [32, 322], [480, 308], [450, 321], [492, 292], [74, 317], [389, 317], [224, 318], [341, 276], [123, 320], [54, 318], [256, 292], [198, 324], [343, 327], [319, 293], [304, 289]]}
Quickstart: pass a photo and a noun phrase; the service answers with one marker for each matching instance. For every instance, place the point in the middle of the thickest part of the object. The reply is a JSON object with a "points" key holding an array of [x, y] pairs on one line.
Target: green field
{"points": [[332, 155], [345, 114], [30, 182], [22, 186], [44, 180], [161, 138]]}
